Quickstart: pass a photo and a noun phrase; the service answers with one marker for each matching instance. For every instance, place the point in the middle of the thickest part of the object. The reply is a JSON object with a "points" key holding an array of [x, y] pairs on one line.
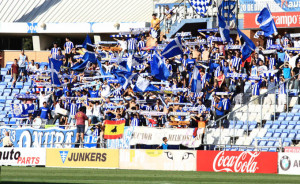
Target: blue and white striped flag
{"points": [[224, 29], [266, 22]]}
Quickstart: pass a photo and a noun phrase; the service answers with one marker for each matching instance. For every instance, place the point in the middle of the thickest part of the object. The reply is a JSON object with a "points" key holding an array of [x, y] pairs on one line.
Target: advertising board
{"points": [[80, 158], [292, 149], [289, 163], [282, 20], [173, 160], [23, 156], [237, 161]]}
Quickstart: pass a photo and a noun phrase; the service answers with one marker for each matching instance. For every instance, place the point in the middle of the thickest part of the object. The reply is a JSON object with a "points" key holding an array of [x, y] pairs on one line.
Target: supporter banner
{"points": [[282, 20], [93, 158], [152, 136], [292, 149], [237, 161], [23, 156], [22, 110], [37, 138], [182, 34], [250, 6], [289, 163], [233, 47], [171, 160], [236, 75], [122, 143], [179, 114], [26, 97]]}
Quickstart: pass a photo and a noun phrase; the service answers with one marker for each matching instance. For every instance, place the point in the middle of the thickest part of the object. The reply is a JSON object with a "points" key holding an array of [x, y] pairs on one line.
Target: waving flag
{"points": [[87, 57], [158, 68], [87, 44], [54, 69], [133, 61], [22, 110], [56, 64], [174, 48], [196, 81], [143, 85], [247, 45], [224, 29], [266, 22], [124, 77], [114, 129]]}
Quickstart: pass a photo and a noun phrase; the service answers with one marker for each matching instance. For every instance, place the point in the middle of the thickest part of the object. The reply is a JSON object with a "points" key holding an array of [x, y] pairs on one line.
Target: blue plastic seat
{"points": [[2, 99], [274, 126], [297, 127], [269, 134], [297, 136], [296, 118], [284, 135], [19, 85], [273, 149], [276, 134], [292, 135], [288, 118], [262, 143], [282, 126], [6, 120]]}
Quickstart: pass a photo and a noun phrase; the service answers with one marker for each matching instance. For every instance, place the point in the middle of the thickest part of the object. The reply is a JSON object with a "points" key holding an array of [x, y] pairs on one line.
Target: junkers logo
{"points": [[285, 163]]}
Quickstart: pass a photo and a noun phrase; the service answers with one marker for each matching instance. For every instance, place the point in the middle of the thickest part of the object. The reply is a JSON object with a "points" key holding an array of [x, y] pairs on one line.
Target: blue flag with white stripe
{"points": [[55, 64], [87, 57], [159, 69], [266, 22], [247, 45], [174, 48], [224, 29], [87, 42], [54, 69]]}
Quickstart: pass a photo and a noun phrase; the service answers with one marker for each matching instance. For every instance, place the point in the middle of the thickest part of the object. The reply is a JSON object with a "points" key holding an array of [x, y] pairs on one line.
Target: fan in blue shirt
{"points": [[94, 93], [45, 112]]}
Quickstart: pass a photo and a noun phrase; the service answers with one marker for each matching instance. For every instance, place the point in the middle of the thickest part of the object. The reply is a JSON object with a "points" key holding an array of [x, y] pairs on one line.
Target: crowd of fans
{"points": [[222, 69]]}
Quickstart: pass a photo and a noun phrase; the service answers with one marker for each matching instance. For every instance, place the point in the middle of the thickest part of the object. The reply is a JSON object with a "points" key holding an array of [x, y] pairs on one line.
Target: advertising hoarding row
{"points": [[170, 160]]}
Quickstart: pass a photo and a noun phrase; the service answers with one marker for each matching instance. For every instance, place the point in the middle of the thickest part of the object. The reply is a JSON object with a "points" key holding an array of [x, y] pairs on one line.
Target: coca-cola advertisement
{"points": [[237, 161]]}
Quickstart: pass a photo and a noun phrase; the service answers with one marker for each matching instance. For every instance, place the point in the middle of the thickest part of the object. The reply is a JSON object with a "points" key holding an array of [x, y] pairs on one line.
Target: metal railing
{"points": [[259, 98]]}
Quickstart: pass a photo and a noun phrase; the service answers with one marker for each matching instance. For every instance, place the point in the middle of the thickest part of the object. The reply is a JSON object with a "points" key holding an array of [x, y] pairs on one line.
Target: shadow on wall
{"points": [[45, 6]]}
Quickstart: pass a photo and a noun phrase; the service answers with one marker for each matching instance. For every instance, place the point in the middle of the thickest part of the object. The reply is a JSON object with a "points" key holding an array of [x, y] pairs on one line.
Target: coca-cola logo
{"points": [[245, 162]]}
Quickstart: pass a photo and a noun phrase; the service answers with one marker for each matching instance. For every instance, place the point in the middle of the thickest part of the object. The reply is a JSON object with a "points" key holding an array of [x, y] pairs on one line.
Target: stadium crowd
{"points": [[98, 91]]}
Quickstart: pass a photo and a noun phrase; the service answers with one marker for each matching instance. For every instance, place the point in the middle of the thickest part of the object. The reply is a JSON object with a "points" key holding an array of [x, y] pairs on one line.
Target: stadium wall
{"points": [[10, 55]]}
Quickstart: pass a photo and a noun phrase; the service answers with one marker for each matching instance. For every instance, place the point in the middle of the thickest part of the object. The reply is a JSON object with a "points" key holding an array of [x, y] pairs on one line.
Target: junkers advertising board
{"points": [[180, 160], [93, 158], [23, 156], [289, 163], [237, 161]]}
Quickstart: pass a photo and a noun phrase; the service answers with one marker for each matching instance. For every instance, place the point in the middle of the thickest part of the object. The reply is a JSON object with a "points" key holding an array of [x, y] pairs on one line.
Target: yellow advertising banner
{"points": [[76, 157]]}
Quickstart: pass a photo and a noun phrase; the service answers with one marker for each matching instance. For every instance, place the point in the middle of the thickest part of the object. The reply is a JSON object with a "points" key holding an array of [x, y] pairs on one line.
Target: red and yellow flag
{"points": [[114, 129]]}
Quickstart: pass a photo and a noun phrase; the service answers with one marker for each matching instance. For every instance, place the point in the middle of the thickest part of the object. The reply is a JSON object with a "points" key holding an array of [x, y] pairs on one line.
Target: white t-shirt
{"points": [[32, 68], [105, 90], [123, 44]]}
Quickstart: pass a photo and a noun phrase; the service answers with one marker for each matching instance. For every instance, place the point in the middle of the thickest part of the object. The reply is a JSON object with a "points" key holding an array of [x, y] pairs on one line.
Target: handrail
{"points": [[260, 96]]}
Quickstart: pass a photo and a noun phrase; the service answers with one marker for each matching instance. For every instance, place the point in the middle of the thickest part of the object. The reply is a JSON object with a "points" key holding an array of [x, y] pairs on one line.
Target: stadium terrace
{"points": [[177, 85]]}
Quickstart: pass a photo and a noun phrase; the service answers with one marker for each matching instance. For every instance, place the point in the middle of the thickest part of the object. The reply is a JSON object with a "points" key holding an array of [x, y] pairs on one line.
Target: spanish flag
{"points": [[114, 129]]}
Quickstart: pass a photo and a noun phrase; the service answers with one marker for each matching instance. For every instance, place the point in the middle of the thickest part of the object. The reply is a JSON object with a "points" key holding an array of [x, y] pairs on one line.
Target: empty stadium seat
{"points": [[19, 85]]}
